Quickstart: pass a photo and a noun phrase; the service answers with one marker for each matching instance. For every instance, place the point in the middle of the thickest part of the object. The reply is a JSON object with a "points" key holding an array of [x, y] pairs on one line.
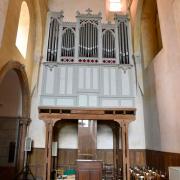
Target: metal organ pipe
{"points": [[54, 54], [51, 56], [57, 39], [123, 42], [88, 40], [68, 43], [94, 42], [127, 43], [49, 42], [108, 44]]}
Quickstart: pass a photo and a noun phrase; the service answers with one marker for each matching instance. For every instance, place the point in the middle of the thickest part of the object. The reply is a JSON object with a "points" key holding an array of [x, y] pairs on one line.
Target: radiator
{"points": [[174, 173]]}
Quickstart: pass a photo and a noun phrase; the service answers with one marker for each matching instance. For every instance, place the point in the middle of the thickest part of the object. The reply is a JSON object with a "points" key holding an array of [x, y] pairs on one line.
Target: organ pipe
{"points": [[53, 40], [88, 40], [68, 43], [108, 45], [123, 43]]}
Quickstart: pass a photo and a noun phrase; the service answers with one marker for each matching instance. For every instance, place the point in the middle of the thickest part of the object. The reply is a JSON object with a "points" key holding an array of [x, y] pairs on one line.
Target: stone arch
{"points": [[20, 70], [24, 120]]}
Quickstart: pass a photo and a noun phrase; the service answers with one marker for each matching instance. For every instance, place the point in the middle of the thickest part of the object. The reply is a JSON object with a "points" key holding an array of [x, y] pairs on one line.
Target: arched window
{"points": [[115, 5], [23, 29]]}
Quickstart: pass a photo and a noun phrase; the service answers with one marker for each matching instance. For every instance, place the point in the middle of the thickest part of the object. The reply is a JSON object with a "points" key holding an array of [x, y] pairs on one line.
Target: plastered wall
{"points": [[70, 7], [161, 78]]}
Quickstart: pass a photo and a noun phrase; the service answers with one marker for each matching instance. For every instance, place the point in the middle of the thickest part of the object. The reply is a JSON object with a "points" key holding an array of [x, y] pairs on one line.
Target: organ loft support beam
{"points": [[125, 147], [48, 148]]}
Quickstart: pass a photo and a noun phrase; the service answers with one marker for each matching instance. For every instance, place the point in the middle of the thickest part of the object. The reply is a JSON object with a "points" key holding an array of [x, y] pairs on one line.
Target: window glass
{"points": [[23, 29]]}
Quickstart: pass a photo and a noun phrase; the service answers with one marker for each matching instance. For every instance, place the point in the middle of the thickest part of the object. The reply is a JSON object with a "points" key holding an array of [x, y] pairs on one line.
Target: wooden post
{"points": [[48, 149], [114, 147], [125, 148]]}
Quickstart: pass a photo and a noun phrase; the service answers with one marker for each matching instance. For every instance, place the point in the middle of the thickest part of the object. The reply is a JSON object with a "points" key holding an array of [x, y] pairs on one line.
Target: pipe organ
{"points": [[87, 63], [88, 40]]}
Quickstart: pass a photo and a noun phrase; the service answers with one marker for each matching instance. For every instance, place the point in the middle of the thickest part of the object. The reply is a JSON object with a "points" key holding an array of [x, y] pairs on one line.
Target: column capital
{"points": [[123, 122], [50, 123], [24, 121]]}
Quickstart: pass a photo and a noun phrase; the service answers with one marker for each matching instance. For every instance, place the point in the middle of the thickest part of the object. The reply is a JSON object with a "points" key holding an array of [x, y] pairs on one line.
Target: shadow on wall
{"points": [[152, 125], [151, 44]]}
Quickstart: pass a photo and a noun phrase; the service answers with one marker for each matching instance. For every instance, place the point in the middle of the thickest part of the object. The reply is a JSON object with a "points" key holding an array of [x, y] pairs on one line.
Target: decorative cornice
{"points": [[125, 67], [88, 15]]}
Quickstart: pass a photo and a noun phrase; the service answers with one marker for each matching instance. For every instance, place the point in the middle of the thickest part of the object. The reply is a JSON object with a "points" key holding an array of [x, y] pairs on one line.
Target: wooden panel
{"points": [[137, 157], [106, 155], [95, 175], [70, 80], [113, 82], [95, 76], [162, 160], [106, 86], [89, 170], [50, 76], [62, 78], [83, 174], [125, 83], [87, 139], [88, 78], [67, 157], [37, 162], [7, 173]]}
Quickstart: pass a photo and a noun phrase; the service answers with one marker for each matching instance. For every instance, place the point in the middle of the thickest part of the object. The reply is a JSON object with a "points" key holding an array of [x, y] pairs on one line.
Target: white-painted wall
{"points": [[68, 137], [104, 137], [37, 129]]}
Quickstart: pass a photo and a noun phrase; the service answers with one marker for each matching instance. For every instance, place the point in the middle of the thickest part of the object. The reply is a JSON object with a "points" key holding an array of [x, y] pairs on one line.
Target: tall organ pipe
{"points": [[49, 43]]}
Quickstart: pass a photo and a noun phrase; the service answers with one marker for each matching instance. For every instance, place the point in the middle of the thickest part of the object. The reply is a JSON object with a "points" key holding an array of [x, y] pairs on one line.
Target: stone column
{"points": [[23, 124], [48, 149]]}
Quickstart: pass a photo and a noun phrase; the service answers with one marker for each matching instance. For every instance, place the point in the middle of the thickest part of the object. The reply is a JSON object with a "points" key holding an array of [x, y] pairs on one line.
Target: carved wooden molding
{"points": [[120, 115]]}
